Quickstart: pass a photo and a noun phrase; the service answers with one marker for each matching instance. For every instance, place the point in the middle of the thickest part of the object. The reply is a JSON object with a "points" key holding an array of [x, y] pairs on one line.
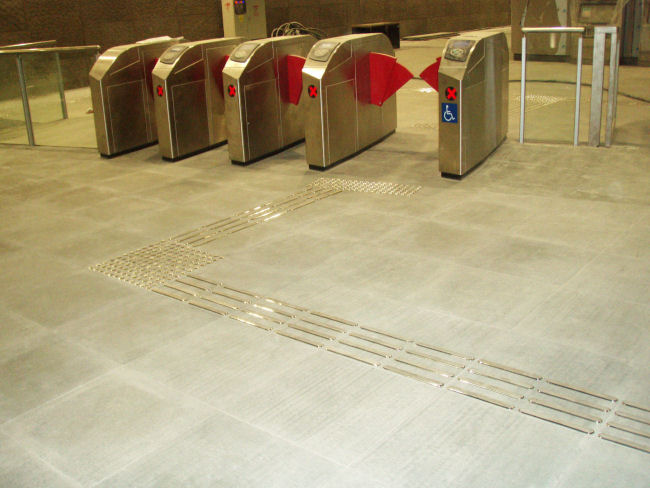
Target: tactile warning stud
{"points": [[381, 187], [155, 264]]}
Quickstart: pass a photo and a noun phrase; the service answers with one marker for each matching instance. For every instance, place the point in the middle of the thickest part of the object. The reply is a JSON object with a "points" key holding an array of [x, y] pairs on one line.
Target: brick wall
{"points": [[112, 22]]}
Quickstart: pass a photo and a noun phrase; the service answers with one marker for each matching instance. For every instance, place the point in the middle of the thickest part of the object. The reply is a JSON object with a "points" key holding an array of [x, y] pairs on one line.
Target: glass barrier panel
{"points": [[78, 129], [12, 116]]}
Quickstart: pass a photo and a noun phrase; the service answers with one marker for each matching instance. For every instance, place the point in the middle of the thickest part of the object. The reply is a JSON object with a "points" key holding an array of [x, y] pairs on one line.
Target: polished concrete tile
{"points": [[225, 452], [624, 278], [131, 327], [593, 323], [94, 430], [20, 468], [55, 301], [45, 371]]}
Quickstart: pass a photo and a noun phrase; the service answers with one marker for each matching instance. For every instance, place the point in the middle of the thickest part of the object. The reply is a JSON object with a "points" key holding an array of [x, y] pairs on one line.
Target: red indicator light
{"points": [[450, 93], [232, 91], [160, 91], [313, 91]]}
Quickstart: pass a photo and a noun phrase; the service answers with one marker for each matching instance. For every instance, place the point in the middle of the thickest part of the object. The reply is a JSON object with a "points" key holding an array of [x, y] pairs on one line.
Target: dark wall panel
{"points": [[112, 22]]}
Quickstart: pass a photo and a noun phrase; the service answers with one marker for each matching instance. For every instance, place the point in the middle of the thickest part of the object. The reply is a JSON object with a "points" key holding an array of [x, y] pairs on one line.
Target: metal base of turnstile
{"points": [[194, 153], [454, 176], [336, 163], [114, 155], [263, 156]]}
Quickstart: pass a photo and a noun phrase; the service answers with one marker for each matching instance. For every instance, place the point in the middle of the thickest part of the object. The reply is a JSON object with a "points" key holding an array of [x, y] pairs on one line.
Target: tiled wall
{"points": [[112, 22]]}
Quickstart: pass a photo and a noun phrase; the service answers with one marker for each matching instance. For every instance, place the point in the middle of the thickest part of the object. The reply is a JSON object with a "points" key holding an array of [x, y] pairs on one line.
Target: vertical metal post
{"points": [[523, 89], [576, 121], [597, 78], [612, 90], [64, 105], [23, 92]]}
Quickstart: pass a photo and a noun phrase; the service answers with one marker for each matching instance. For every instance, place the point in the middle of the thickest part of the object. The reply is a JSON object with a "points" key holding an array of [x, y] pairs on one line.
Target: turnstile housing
{"points": [[189, 98], [122, 95], [260, 119], [473, 94], [340, 120]]}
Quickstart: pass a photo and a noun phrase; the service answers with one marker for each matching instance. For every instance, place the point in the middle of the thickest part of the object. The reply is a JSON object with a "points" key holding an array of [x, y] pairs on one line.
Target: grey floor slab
{"points": [[45, 371], [624, 278], [55, 301], [130, 327], [105, 425], [598, 324], [19, 335], [225, 452], [20, 468]]}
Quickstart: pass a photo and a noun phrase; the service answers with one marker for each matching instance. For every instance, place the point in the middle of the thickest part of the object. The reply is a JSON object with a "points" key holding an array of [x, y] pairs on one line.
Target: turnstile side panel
{"points": [[342, 137], [292, 117], [100, 115], [214, 58], [262, 117], [372, 122], [449, 148], [127, 128], [191, 128]]}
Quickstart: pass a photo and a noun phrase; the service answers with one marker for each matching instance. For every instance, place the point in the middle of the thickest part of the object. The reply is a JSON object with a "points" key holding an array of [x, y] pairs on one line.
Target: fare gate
{"points": [[122, 95], [350, 82], [472, 86], [189, 97], [262, 83]]}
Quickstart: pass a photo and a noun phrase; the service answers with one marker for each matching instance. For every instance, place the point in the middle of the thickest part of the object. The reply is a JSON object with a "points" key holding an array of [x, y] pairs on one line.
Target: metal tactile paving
{"points": [[534, 102], [570, 406], [166, 267], [155, 264], [385, 188], [260, 214]]}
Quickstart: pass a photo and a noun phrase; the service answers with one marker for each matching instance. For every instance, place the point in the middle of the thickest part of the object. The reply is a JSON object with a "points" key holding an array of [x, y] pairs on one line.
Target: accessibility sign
{"points": [[449, 113]]}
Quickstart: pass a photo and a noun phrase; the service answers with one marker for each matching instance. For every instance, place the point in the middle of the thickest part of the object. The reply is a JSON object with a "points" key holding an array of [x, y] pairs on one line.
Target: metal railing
{"points": [[20, 53], [551, 30], [597, 78], [28, 45]]}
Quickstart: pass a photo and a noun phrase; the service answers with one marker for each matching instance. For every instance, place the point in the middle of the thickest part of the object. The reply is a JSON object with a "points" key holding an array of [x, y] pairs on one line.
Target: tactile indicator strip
{"points": [[249, 218], [155, 264], [531, 394], [343, 184]]}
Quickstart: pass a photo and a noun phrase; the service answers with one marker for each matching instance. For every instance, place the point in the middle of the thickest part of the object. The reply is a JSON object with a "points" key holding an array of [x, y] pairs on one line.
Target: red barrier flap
{"points": [[430, 75], [294, 78], [386, 77], [217, 72], [398, 79], [381, 69]]}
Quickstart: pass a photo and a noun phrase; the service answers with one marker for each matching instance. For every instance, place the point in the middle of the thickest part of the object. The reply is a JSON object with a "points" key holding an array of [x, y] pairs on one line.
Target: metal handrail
{"points": [[547, 30], [68, 49], [26, 45]]}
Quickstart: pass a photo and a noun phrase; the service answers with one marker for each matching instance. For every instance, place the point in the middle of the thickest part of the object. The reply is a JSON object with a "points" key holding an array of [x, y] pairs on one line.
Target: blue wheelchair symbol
{"points": [[449, 113]]}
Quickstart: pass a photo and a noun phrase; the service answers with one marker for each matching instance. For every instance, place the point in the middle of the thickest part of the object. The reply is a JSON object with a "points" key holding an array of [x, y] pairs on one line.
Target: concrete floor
{"points": [[538, 260]]}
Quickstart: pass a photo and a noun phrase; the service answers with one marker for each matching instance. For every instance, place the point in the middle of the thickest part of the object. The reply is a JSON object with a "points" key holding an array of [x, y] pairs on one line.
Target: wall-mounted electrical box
{"points": [[244, 18]]}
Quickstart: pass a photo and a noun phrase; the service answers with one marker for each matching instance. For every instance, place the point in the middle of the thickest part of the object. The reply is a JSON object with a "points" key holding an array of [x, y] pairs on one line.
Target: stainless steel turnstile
{"points": [[262, 83], [473, 93], [189, 98], [349, 83], [122, 95]]}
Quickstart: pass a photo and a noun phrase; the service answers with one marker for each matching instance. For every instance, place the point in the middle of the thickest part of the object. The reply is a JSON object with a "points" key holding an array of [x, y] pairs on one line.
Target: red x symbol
{"points": [[160, 90], [232, 91], [313, 91], [450, 93]]}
